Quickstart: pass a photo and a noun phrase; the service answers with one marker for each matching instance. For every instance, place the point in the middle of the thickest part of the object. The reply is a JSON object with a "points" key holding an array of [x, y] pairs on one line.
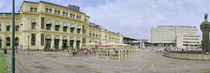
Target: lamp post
{"points": [[28, 35], [13, 36]]}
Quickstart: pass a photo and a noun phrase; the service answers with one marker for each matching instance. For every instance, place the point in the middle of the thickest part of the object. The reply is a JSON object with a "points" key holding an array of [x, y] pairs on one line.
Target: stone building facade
{"points": [[45, 26]]}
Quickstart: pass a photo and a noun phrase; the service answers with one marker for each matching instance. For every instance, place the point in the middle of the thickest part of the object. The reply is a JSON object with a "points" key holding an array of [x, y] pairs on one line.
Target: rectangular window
{"points": [[33, 26], [42, 39], [35, 9], [17, 28], [70, 15], [42, 23], [48, 27], [0, 27], [8, 28], [64, 13], [7, 41], [59, 12], [72, 29], [78, 31], [57, 27], [46, 10], [65, 29], [31, 9], [55, 11], [50, 10], [33, 39]]}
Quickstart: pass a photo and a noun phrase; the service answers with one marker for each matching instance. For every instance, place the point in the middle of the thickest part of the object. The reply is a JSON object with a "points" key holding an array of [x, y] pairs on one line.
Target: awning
{"points": [[78, 27], [65, 25], [78, 39], [33, 22], [48, 37], [7, 25], [57, 37], [48, 22], [64, 38], [72, 26], [57, 23]]}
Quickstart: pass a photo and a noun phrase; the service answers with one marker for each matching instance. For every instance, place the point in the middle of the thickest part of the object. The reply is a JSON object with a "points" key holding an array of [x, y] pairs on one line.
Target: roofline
{"points": [[52, 4], [61, 6]]}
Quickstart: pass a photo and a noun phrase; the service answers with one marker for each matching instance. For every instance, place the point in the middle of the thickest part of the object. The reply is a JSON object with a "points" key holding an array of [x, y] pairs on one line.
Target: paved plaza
{"points": [[145, 62]]}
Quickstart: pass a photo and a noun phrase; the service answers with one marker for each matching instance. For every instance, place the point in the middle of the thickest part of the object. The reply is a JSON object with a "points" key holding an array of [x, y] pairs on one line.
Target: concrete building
{"points": [[178, 36], [45, 26]]}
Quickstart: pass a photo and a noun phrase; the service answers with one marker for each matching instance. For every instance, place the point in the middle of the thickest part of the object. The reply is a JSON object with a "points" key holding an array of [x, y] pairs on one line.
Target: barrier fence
{"points": [[116, 54]]}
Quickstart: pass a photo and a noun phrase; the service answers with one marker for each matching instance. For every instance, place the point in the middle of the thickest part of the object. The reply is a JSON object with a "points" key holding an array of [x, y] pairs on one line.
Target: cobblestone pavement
{"points": [[146, 62]]}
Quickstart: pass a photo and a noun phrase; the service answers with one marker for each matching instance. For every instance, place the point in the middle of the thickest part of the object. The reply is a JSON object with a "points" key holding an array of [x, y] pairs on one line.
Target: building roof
{"points": [[54, 4]]}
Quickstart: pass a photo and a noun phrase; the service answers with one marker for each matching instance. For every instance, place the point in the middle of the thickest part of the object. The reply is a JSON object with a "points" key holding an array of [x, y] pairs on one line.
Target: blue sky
{"points": [[134, 18]]}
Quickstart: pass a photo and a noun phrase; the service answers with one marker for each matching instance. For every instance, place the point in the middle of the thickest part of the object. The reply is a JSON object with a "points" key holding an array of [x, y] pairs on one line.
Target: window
{"points": [[55, 11], [8, 41], [85, 19], [70, 15], [16, 41], [83, 29], [59, 12], [48, 27], [8, 27], [35, 9], [33, 25], [31, 9], [46, 10], [17, 28], [72, 29], [33, 39], [50, 10], [78, 30], [64, 28], [42, 23], [57, 27], [64, 13], [73, 16], [0, 27], [42, 39]]}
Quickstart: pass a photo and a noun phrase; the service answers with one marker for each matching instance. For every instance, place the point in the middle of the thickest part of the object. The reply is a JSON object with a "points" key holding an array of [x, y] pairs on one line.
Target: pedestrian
{"points": [[86, 51], [16, 49]]}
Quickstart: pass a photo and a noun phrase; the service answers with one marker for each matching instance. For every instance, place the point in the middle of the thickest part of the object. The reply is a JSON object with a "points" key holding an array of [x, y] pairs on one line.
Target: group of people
{"points": [[74, 51]]}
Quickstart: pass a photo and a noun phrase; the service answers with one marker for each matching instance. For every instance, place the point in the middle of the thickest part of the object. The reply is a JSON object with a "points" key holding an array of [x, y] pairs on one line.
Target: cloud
{"points": [[134, 18]]}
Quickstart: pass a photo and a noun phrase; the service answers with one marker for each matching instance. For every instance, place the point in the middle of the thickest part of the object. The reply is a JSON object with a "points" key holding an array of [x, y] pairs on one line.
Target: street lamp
{"points": [[28, 35], [13, 36]]}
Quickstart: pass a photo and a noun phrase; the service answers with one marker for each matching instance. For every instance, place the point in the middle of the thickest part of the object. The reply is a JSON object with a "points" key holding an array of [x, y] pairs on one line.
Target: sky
{"points": [[134, 18]]}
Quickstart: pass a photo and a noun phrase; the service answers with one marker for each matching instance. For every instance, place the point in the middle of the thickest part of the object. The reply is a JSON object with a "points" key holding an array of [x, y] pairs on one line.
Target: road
{"points": [[146, 62]]}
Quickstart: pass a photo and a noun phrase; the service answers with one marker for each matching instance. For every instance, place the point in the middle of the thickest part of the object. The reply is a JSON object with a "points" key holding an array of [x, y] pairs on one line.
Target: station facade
{"points": [[45, 26]]}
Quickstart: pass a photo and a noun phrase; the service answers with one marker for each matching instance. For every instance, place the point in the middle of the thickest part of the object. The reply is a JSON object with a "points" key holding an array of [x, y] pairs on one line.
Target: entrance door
{"points": [[48, 44], [71, 43], [56, 44], [64, 44], [78, 43], [0, 44]]}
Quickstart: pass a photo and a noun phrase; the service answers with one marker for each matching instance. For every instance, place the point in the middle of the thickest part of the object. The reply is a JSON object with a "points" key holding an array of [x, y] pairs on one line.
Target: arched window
{"points": [[8, 41]]}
